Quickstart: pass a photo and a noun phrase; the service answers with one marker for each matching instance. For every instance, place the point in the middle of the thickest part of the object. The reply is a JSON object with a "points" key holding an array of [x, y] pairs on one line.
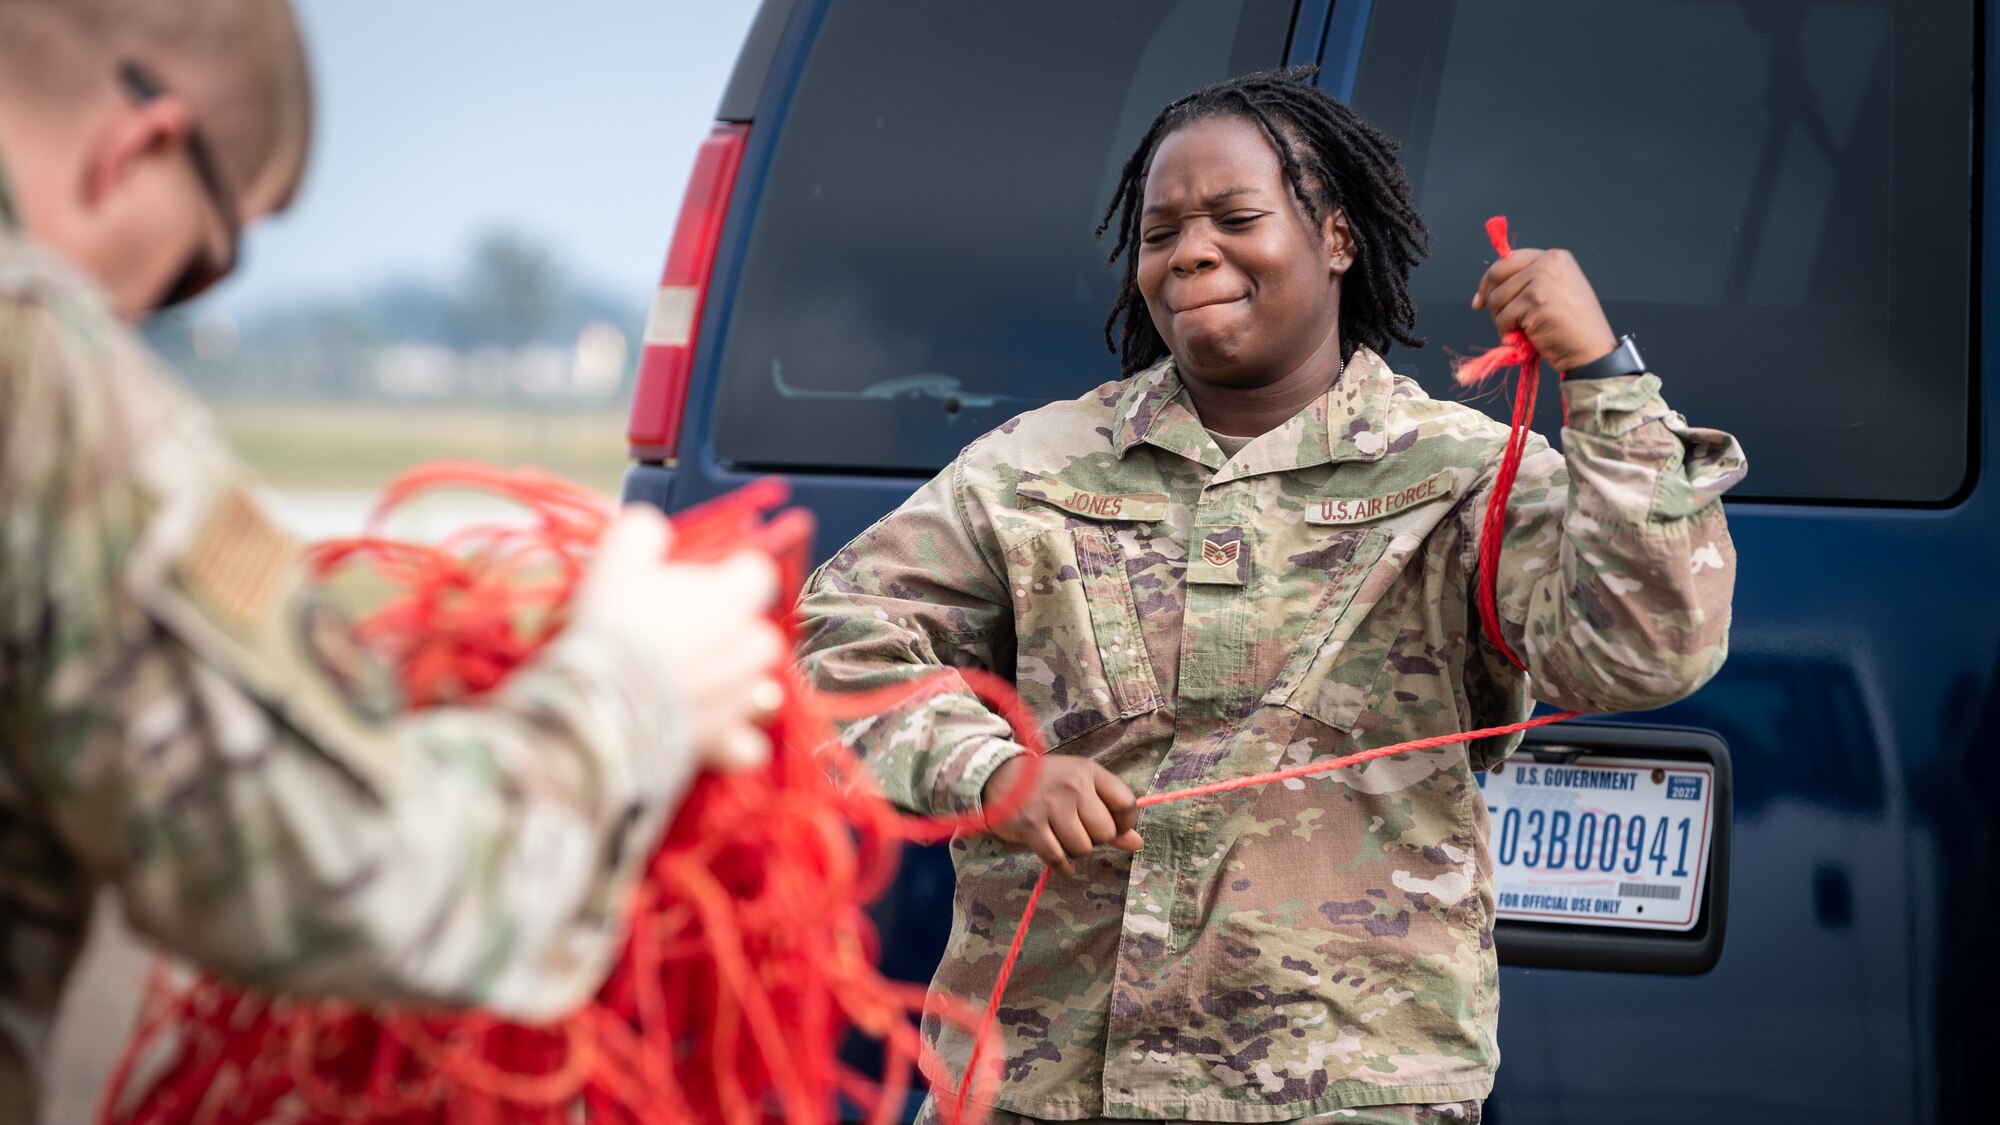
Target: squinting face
{"points": [[1241, 285]]}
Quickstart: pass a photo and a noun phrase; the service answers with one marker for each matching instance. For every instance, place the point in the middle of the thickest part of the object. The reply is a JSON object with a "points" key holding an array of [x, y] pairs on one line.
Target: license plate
{"points": [[1600, 842]]}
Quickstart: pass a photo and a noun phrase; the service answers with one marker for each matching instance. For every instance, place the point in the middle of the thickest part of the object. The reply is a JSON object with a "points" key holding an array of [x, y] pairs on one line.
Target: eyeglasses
{"points": [[206, 267]]}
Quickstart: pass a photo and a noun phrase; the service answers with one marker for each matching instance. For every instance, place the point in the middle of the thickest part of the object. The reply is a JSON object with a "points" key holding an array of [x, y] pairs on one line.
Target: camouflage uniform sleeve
{"points": [[917, 593], [1617, 567], [200, 728], [469, 856]]}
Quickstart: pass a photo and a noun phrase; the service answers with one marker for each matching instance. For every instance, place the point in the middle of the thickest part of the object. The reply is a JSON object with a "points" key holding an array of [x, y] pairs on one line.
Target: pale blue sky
{"points": [[439, 119]]}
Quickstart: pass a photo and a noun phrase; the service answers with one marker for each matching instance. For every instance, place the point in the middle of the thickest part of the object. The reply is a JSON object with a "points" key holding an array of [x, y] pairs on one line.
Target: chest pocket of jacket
{"points": [[1327, 679], [1081, 660]]}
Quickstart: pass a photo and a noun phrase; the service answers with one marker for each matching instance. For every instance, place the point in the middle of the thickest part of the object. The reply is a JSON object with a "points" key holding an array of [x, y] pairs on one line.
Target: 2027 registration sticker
{"points": [[1601, 841]]}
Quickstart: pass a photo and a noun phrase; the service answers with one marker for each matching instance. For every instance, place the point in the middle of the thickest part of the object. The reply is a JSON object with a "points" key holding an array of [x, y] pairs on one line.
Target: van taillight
{"points": [[666, 359]]}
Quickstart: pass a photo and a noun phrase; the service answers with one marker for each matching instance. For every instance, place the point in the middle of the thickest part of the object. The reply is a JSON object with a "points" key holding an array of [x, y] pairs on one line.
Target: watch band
{"points": [[1622, 360]]}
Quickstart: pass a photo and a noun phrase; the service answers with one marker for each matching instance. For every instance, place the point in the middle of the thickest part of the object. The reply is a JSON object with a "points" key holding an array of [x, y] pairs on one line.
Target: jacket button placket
{"points": [[1164, 897]]}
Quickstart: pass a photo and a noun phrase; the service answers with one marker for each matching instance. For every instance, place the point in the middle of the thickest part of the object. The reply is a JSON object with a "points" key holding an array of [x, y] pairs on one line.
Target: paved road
{"points": [[96, 1018]]}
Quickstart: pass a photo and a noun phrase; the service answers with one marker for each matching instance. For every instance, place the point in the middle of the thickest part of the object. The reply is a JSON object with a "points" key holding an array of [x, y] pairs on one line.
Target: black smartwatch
{"points": [[1623, 360]]}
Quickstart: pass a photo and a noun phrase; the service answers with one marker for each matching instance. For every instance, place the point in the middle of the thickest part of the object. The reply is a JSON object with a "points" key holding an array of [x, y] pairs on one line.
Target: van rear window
{"points": [[921, 265], [1773, 198]]}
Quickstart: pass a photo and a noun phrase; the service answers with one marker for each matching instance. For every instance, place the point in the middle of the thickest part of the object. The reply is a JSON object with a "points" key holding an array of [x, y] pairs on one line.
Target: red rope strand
{"points": [[1514, 351], [1209, 790]]}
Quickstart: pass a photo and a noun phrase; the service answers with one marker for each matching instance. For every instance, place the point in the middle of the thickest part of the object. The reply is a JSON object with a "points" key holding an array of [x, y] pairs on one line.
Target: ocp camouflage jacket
{"points": [[184, 716], [1178, 617]]}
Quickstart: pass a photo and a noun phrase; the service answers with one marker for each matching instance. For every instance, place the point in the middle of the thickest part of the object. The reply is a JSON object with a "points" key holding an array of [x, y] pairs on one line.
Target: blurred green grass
{"points": [[364, 445]]}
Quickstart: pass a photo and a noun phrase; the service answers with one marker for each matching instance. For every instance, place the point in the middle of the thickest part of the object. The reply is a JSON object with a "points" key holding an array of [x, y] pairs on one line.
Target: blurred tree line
{"points": [[513, 324]]}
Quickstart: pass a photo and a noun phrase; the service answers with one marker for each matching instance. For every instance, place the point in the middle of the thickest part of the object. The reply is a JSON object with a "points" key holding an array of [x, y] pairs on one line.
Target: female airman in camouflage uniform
{"points": [[1257, 549]]}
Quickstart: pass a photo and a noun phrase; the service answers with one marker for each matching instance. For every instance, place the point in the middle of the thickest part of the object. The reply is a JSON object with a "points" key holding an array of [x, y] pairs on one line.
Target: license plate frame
{"points": [[1560, 945], [1615, 842]]}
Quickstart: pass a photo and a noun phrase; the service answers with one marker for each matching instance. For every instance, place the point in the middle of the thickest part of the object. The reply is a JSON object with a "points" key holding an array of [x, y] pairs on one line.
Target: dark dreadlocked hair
{"points": [[1334, 161]]}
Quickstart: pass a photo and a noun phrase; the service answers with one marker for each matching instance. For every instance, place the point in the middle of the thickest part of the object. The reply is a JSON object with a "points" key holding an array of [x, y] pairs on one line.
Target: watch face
{"points": [[1627, 355]]}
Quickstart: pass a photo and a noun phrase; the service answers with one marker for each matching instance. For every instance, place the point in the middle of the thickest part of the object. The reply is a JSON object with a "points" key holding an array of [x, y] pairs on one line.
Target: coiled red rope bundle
{"points": [[750, 953]]}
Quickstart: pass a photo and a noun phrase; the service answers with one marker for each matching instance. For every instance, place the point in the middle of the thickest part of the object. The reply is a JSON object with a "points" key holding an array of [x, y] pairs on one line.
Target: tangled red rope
{"points": [[750, 953]]}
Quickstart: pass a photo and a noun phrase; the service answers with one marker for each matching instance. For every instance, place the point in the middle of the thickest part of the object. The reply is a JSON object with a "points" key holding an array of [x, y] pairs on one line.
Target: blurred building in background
{"points": [[515, 328]]}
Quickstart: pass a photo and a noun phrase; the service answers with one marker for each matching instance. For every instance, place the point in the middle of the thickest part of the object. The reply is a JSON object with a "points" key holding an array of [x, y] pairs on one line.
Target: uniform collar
{"points": [[1348, 423]]}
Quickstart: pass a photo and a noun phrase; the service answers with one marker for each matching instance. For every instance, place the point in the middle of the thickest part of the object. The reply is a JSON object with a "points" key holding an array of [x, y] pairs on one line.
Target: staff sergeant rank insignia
{"points": [[1331, 511], [1223, 559]]}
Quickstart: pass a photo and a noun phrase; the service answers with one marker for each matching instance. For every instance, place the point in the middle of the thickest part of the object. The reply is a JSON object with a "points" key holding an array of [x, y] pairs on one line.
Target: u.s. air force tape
{"points": [[1362, 509]]}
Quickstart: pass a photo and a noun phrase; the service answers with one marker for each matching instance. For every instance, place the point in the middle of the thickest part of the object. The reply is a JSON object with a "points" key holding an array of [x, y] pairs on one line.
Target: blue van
{"points": [[886, 249]]}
